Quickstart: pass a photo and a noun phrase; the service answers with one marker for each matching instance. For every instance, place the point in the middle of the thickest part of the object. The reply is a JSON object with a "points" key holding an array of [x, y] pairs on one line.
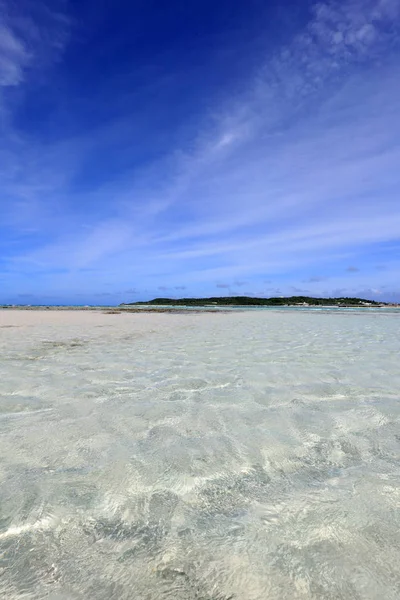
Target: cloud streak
{"points": [[32, 35]]}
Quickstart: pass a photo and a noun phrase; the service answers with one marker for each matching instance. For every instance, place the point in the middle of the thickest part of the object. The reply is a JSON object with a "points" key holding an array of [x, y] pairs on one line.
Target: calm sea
{"points": [[248, 455]]}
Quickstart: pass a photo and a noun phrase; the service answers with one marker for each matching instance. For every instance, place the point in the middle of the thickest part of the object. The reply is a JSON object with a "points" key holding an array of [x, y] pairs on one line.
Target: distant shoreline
{"points": [[181, 309], [107, 309], [217, 303], [249, 301], [214, 304]]}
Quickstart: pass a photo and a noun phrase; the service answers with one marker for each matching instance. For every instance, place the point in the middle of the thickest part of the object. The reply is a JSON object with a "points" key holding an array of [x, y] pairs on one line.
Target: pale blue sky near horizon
{"points": [[198, 148]]}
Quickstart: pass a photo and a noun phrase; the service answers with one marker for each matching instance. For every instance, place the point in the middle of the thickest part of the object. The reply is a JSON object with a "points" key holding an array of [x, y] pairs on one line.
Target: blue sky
{"points": [[152, 148]]}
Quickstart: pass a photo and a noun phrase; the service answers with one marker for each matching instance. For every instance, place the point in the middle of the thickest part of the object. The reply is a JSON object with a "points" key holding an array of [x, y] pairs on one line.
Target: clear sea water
{"points": [[250, 455]]}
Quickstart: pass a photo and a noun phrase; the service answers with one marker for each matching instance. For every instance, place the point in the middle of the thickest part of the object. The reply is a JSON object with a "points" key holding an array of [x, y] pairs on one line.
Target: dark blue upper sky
{"points": [[153, 147]]}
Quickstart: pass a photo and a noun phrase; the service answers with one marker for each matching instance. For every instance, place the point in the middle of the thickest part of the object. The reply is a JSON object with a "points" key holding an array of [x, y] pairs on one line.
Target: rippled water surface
{"points": [[247, 456]]}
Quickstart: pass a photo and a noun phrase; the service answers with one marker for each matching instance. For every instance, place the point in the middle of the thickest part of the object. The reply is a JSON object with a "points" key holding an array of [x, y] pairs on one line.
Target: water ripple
{"points": [[246, 456]]}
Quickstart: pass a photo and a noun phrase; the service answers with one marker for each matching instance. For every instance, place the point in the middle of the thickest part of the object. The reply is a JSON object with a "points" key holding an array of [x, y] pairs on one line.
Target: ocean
{"points": [[238, 455]]}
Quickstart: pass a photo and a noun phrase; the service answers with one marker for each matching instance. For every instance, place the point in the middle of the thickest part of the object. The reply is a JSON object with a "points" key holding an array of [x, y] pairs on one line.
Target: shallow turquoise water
{"points": [[249, 455]]}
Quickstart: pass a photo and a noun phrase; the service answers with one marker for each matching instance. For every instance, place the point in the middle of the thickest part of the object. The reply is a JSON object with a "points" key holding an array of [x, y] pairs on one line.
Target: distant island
{"points": [[250, 301]]}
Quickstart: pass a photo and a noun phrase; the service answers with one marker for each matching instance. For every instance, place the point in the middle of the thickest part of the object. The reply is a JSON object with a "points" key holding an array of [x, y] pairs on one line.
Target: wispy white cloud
{"points": [[14, 57], [32, 34], [338, 35]]}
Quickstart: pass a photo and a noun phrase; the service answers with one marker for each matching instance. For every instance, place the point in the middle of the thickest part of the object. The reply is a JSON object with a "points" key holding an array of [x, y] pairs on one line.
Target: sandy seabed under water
{"points": [[244, 456]]}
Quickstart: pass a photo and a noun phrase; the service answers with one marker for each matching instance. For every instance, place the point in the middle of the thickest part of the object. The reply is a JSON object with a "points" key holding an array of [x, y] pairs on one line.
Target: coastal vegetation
{"points": [[251, 301]]}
